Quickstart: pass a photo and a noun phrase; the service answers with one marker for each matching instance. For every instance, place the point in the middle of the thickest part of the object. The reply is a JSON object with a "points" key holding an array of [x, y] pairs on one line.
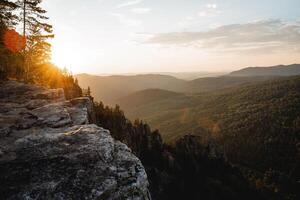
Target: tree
{"points": [[7, 17], [27, 57], [88, 92], [37, 31]]}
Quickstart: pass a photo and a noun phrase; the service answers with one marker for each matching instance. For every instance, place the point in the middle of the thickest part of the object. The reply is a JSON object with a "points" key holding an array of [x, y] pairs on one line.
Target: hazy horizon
{"points": [[213, 73], [141, 36], [155, 72]]}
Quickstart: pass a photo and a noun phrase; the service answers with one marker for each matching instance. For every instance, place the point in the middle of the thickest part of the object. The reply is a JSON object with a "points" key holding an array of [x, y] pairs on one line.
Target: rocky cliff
{"points": [[49, 150]]}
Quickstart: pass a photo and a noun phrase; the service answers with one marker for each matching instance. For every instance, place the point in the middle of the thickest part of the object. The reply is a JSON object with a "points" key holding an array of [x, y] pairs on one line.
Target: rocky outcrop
{"points": [[49, 150]]}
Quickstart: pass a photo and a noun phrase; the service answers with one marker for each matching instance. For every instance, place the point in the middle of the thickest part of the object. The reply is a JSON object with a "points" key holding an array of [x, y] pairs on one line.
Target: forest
{"points": [[245, 157], [255, 127]]}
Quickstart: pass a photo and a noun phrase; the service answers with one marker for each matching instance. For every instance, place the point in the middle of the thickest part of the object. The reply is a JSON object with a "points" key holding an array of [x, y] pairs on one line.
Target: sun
{"points": [[66, 58]]}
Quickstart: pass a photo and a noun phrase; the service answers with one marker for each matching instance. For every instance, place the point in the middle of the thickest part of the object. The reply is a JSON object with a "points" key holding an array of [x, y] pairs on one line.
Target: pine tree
{"points": [[7, 17], [88, 93], [36, 31]]}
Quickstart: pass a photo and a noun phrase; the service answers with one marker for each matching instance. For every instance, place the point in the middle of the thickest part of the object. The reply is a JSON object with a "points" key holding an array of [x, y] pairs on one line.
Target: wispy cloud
{"points": [[125, 20], [141, 10], [129, 3], [264, 36]]}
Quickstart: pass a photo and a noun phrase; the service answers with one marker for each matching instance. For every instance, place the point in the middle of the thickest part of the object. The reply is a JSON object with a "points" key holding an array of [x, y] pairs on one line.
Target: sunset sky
{"points": [[133, 36]]}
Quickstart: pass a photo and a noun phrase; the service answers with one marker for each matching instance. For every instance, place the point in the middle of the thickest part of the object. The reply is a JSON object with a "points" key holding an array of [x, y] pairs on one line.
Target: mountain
{"points": [[280, 70], [180, 75], [192, 75], [186, 109], [109, 89], [256, 124]]}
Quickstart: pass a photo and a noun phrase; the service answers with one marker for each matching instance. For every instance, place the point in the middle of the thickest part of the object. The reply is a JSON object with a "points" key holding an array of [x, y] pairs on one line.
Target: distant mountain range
{"points": [[180, 75], [111, 88], [279, 70], [188, 76]]}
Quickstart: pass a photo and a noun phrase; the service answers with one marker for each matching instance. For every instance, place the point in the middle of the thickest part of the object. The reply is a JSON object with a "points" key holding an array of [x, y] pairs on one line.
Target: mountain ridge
{"points": [[278, 70], [111, 88]]}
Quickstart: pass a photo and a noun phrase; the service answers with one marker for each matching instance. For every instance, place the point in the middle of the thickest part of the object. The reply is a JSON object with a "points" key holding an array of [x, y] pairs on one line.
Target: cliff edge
{"points": [[49, 150]]}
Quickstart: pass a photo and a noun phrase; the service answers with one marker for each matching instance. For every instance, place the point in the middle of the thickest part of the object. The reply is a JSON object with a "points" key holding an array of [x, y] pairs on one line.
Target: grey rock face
{"points": [[48, 150]]}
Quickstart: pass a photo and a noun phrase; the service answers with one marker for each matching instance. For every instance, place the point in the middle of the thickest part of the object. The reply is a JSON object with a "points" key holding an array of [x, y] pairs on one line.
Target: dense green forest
{"points": [[26, 57], [245, 150], [256, 126], [187, 170]]}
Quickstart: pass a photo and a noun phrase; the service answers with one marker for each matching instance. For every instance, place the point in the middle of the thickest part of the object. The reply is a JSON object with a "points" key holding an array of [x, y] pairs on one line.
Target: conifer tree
{"points": [[7, 17], [88, 93], [37, 31]]}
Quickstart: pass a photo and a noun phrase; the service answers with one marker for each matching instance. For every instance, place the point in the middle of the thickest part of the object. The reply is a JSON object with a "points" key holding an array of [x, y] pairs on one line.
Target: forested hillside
{"points": [[147, 96], [186, 109], [256, 126], [191, 169]]}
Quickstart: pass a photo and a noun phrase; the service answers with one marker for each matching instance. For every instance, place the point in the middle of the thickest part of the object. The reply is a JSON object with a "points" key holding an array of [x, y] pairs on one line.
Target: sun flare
{"points": [[65, 58]]}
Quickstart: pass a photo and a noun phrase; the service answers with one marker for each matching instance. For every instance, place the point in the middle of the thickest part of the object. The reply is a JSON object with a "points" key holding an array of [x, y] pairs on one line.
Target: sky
{"points": [[138, 36]]}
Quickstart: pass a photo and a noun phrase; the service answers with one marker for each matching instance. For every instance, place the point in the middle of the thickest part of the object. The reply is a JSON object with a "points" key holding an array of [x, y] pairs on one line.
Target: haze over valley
{"points": [[110, 89]]}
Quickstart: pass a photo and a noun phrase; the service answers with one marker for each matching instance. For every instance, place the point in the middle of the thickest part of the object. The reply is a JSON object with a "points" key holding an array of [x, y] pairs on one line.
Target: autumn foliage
{"points": [[14, 41]]}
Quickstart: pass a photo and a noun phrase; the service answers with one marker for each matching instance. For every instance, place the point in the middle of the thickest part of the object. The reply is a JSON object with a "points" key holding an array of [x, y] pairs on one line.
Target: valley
{"points": [[110, 89]]}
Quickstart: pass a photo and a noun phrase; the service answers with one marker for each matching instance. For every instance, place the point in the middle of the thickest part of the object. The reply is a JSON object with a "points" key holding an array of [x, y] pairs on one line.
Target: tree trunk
{"points": [[26, 67]]}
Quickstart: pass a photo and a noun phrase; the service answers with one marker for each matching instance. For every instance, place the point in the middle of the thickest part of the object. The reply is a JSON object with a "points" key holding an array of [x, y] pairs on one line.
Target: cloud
{"points": [[141, 10], [126, 21], [129, 3], [265, 36]]}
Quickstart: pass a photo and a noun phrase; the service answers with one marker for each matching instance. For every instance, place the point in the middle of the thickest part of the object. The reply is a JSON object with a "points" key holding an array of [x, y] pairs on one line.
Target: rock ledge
{"points": [[48, 150]]}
